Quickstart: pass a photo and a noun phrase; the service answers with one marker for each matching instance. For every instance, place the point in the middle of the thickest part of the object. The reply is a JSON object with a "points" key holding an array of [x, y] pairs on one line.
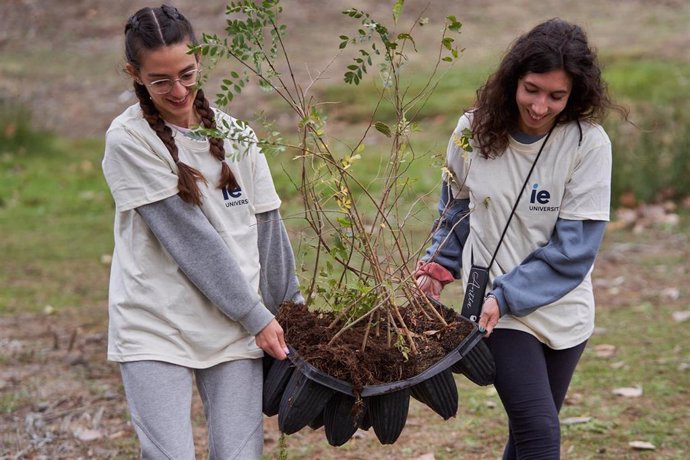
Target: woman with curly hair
{"points": [[201, 257], [526, 195]]}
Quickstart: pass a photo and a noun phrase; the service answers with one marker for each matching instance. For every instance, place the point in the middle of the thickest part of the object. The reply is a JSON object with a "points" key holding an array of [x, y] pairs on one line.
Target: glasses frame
{"points": [[152, 85]]}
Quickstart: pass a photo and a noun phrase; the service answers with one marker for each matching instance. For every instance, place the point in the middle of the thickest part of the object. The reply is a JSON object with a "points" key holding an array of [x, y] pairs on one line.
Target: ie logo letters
{"points": [[539, 196], [539, 199], [233, 197]]}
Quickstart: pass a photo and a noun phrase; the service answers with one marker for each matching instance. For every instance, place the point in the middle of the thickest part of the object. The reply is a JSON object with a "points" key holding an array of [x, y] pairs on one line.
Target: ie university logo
{"points": [[539, 200], [233, 197]]}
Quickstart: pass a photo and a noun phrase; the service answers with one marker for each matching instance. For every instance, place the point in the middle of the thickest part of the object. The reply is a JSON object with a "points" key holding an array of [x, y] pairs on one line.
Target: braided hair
{"points": [[151, 29]]}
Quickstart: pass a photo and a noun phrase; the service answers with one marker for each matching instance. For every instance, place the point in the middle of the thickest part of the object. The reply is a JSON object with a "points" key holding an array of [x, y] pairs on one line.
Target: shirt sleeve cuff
{"points": [[435, 271], [501, 299], [256, 319]]}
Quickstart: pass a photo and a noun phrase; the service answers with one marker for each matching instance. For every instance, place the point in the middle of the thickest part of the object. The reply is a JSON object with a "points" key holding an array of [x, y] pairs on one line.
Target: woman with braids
{"points": [[201, 258], [539, 110]]}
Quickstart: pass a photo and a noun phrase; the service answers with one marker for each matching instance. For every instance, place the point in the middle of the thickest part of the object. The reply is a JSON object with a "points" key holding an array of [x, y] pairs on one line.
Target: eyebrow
{"points": [[162, 75], [558, 92]]}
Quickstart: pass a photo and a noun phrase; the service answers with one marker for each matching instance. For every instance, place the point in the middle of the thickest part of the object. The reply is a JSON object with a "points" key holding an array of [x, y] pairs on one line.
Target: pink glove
{"points": [[431, 277]]}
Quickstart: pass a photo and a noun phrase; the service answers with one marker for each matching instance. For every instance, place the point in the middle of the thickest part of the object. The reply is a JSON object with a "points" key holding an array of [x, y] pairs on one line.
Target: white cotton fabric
{"points": [[570, 181], [155, 312]]}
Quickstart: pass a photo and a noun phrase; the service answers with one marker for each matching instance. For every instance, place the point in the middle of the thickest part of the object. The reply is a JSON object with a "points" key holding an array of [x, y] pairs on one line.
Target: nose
{"points": [[539, 107], [178, 90]]}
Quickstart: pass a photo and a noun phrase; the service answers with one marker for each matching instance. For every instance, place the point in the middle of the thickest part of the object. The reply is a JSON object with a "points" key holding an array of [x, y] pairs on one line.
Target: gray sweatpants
{"points": [[159, 395]]}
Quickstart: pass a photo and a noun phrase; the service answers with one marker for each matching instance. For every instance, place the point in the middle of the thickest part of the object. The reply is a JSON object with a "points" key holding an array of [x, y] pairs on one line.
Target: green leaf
{"points": [[383, 128], [344, 222], [397, 9], [454, 24]]}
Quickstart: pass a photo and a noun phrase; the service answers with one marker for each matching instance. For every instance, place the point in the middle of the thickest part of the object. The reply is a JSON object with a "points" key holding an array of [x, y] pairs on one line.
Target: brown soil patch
{"points": [[309, 333]]}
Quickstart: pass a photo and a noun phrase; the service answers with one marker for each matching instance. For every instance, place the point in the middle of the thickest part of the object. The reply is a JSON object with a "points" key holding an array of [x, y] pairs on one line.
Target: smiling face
{"points": [[169, 62], [540, 98]]}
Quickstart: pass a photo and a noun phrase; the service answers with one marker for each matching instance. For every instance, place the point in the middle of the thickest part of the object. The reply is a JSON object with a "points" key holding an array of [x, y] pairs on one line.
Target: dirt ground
{"points": [[65, 400]]}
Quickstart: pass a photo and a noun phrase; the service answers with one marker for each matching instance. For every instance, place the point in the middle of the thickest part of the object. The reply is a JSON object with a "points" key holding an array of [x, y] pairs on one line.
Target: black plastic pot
{"points": [[276, 377], [318, 421], [388, 413], [302, 402], [312, 397], [439, 393], [478, 365], [341, 418]]}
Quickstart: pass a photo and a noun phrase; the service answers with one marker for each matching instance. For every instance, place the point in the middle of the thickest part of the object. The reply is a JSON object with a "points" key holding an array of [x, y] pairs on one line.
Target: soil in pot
{"points": [[309, 333]]}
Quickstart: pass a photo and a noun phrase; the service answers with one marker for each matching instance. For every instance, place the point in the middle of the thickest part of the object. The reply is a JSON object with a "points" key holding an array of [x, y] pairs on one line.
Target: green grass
{"points": [[454, 91], [56, 220], [630, 80], [647, 81]]}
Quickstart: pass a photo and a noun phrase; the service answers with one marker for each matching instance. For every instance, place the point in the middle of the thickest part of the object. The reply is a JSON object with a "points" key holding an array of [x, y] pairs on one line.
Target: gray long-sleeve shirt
{"points": [[202, 255]]}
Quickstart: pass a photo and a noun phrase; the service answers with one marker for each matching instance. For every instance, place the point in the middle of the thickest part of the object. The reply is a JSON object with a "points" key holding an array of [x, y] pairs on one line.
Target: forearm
{"points": [[278, 282], [205, 259], [557, 268]]}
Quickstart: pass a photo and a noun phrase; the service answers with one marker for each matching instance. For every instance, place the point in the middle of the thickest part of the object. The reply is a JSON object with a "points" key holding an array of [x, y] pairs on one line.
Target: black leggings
{"points": [[532, 380]]}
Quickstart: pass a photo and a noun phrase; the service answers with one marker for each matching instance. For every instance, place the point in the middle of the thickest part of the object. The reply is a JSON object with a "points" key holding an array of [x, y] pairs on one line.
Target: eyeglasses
{"points": [[165, 85]]}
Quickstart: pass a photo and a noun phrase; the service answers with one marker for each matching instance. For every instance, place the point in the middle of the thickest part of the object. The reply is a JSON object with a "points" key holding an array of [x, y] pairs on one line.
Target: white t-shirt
{"points": [[569, 181], [155, 312]]}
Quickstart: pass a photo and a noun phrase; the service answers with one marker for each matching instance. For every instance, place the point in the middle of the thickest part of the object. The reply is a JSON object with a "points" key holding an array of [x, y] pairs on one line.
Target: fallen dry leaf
{"points": [[605, 350], [680, 316], [642, 445], [85, 434], [574, 398], [575, 420], [430, 456], [628, 392], [434, 332], [670, 293]]}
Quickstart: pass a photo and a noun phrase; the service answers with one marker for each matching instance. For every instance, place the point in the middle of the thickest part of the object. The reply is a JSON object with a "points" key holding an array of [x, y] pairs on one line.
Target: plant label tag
{"points": [[474, 293]]}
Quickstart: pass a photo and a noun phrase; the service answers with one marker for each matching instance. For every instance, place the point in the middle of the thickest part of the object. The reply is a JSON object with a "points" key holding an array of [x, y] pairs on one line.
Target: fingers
{"points": [[485, 323], [489, 316], [423, 282], [271, 340], [430, 286]]}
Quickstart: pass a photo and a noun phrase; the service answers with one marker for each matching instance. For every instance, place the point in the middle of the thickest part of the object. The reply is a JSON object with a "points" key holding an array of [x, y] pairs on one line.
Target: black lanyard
{"points": [[517, 200]]}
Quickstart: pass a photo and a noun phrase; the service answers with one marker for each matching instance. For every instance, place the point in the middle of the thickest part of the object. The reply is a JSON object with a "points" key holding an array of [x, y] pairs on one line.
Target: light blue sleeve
{"points": [[450, 233], [558, 267]]}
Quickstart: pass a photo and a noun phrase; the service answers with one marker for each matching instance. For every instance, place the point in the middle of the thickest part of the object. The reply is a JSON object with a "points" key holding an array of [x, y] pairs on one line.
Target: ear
{"points": [[133, 72]]}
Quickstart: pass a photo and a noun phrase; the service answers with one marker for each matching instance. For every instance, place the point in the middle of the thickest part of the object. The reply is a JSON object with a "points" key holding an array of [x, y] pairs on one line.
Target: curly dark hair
{"points": [[151, 29], [552, 45]]}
